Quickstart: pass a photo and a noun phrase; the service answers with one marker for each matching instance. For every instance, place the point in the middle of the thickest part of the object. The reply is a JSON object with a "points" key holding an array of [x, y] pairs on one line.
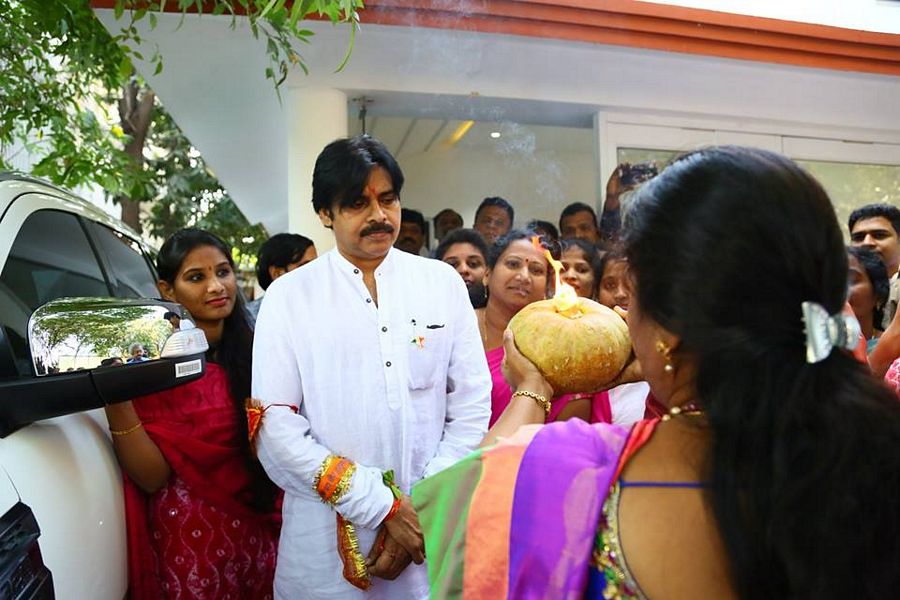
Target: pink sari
{"points": [[198, 537], [501, 394]]}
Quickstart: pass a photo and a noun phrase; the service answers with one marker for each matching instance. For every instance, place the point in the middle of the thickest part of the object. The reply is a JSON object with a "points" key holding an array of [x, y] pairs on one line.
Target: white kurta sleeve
{"points": [[468, 387], [286, 448]]}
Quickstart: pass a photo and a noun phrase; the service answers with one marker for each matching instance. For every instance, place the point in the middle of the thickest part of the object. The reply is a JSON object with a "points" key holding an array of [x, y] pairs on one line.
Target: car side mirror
{"points": [[74, 334], [89, 352]]}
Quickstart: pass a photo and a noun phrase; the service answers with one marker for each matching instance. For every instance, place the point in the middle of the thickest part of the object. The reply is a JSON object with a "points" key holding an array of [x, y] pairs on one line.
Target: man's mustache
{"points": [[377, 228]]}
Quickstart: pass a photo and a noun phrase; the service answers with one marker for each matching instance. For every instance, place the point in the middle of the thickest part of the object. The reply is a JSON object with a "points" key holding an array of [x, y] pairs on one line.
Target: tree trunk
{"points": [[135, 114]]}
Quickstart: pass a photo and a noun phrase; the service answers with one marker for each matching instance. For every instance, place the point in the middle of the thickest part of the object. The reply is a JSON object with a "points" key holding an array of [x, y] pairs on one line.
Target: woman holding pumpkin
{"points": [[200, 510], [518, 274]]}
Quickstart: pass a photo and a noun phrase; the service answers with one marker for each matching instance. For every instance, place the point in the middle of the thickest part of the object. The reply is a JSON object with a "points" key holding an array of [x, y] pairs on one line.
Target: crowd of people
{"points": [[369, 428]]}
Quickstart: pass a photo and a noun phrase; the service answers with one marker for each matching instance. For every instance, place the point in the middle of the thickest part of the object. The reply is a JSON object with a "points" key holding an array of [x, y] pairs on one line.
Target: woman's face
{"points": [[519, 277], [577, 272], [861, 293], [468, 261], [205, 285], [614, 287]]}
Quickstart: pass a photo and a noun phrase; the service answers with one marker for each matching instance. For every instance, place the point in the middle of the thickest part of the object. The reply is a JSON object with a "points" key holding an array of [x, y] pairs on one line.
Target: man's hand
{"points": [[404, 529], [387, 558]]}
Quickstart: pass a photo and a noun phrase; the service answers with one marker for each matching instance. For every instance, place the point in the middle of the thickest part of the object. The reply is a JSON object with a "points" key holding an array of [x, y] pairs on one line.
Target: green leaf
{"points": [[119, 9], [268, 7], [159, 67], [125, 68], [152, 19]]}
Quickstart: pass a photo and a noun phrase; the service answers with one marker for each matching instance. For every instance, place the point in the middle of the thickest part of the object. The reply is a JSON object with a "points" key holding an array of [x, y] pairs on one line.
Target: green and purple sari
{"points": [[519, 519]]}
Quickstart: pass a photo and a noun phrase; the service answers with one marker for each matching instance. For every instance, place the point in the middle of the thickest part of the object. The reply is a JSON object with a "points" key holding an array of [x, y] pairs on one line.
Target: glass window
{"points": [[50, 258], [851, 185], [131, 272]]}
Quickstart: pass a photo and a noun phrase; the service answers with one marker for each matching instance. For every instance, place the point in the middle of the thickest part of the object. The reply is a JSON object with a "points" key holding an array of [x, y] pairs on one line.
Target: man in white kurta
{"points": [[384, 360]]}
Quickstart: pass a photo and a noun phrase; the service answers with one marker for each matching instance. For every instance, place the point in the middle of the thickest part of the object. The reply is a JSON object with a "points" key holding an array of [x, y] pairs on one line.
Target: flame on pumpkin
{"points": [[565, 298]]}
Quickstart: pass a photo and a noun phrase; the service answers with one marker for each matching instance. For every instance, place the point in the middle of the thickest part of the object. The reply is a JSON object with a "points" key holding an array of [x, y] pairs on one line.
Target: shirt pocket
{"points": [[427, 347]]}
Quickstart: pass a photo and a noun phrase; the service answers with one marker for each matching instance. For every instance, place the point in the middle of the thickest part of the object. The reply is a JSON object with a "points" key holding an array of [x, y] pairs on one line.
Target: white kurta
{"points": [[368, 392]]}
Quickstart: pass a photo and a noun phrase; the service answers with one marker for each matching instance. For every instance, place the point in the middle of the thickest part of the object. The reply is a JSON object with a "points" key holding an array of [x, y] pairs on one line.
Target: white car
{"points": [[62, 521]]}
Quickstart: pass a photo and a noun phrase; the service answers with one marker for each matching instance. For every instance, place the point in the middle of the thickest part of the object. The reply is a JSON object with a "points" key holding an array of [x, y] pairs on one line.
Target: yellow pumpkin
{"points": [[580, 349]]}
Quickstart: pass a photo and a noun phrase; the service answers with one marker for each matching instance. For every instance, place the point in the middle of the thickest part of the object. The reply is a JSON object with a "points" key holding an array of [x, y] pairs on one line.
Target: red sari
{"points": [[198, 536]]}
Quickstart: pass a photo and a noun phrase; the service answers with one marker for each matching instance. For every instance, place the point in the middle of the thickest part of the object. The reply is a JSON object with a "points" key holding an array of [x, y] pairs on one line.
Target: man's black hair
{"points": [[545, 226], [343, 168], [409, 215], [575, 208], [871, 211], [446, 211], [499, 202], [280, 250]]}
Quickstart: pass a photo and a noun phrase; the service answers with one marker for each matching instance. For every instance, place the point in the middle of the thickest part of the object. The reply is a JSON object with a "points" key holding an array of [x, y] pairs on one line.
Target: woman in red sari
{"points": [[200, 509]]}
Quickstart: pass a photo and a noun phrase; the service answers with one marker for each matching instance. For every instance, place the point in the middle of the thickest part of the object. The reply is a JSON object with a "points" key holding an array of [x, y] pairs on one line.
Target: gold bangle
{"points": [[541, 400], [126, 431]]}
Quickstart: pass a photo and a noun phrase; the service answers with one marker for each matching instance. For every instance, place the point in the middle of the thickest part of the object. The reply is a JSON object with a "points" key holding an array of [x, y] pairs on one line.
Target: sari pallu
{"points": [[519, 519], [198, 536]]}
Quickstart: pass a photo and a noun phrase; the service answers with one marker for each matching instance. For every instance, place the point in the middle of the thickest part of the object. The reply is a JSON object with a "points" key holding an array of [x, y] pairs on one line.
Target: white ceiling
{"points": [[404, 135]]}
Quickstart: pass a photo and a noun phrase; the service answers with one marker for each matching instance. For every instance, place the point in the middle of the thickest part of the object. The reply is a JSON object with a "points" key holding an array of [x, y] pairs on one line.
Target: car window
{"points": [[131, 273], [50, 258]]}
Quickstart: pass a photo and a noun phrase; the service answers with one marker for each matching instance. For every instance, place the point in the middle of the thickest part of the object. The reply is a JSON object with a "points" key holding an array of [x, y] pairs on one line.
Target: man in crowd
{"points": [[446, 221], [412, 231], [625, 178], [280, 254], [877, 227], [494, 218], [578, 220], [370, 365]]}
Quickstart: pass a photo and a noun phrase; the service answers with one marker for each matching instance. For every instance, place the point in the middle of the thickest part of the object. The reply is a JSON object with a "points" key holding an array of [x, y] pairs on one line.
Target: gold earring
{"points": [[664, 349]]}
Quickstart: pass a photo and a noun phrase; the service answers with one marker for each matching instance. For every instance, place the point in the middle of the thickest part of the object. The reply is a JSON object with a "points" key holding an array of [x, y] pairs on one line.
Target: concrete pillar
{"points": [[605, 160], [316, 117]]}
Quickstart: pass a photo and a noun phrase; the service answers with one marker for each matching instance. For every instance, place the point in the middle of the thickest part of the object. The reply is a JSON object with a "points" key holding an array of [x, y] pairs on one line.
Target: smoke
{"points": [[518, 147]]}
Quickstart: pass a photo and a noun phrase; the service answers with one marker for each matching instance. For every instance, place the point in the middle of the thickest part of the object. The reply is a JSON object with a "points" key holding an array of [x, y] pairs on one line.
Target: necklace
{"points": [[688, 409]]}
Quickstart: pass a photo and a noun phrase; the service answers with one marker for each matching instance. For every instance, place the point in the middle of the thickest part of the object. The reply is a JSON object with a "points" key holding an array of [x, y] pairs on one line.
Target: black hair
{"points": [[878, 277], [591, 255], [803, 469], [280, 250], [499, 202], [513, 235], [343, 167], [409, 215], [234, 351], [615, 253], [461, 236], [549, 229], [445, 211], [870, 211], [575, 208]]}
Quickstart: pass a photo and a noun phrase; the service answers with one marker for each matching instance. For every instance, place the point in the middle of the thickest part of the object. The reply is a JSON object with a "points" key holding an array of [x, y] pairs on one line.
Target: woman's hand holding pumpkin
{"points": [[519, 372]]}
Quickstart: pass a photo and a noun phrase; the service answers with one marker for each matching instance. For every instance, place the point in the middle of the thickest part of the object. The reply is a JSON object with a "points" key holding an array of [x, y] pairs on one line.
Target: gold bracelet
{"points": [[126, 431], [541, 400]]}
